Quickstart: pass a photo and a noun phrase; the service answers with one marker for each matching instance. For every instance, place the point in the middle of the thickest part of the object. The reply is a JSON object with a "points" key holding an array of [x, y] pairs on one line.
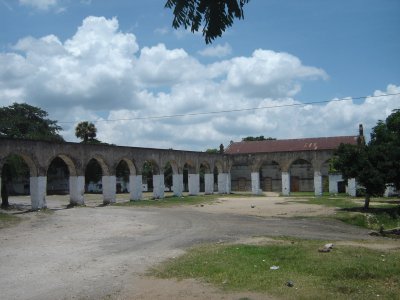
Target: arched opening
{"points": [[122, 177], [203, 170], [15, 174], [187, 169], [57, 177], [168, 177], [301, 176], [240, 177], [149, 169], [215, 179], [93, 177], [270, 177]]}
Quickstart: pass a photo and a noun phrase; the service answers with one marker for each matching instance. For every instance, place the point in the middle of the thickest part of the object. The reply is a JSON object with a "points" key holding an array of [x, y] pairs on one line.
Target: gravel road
{"points": [[102, 252]]}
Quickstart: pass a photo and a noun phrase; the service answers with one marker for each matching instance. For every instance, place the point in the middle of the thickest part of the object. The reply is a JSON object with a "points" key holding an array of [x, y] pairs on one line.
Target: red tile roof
{"points": [[307, 144]]}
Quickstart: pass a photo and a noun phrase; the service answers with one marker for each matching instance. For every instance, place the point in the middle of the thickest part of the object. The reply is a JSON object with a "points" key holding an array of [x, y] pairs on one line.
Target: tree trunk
{"points": [[366, 203]]}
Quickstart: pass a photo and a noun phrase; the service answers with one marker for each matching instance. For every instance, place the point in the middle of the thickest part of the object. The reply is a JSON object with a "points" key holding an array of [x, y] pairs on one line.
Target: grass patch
{"points": [[7, 220], [346, 272], [382, 213], [170, 201]]}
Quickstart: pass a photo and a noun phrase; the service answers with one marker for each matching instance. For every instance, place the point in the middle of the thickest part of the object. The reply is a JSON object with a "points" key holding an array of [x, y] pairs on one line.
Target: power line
{"points": [[236, 110]]}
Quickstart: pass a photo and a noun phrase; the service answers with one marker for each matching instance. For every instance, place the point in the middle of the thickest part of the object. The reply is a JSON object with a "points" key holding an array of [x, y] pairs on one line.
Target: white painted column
{"points": [[76, 190], [285, 183], [228, 183], [223, 183], [38, 192], [333, 183], [158, 186], [194, 184], [208, 183], [255, 183], [351, 187], [109, 189], [135, 187], [317, 183], [177, 184]]}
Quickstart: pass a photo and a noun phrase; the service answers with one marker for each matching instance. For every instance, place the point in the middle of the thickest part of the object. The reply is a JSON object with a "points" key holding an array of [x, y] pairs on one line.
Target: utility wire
{"points": [[236, 110]]}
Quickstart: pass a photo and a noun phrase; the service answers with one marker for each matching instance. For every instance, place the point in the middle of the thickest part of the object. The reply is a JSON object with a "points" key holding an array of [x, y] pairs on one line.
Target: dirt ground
{"points": [[99, 252]]}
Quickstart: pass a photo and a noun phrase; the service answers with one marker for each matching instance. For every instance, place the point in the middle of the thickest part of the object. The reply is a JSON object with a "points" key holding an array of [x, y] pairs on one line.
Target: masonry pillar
{"points": [[223, 184], [351, 187], [177, 184], [158, 186], [38, 192], [255, 183], [135, 187], [76, 190], [285, 183], [208, 183], [333, 183], [228, 183], [194, 184], [317, 183], [109, 189]]}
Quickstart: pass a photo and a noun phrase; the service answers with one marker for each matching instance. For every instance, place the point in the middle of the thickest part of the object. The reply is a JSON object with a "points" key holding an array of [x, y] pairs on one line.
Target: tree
{"points": [[376, 164], [257, 138], [385, 137], [216, 15], [21, 120], [360, 162], [86, 131]]}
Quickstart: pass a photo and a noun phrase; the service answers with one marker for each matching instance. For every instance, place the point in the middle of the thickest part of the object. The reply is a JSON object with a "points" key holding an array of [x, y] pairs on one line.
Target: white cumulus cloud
{"points": [[101, 74]]}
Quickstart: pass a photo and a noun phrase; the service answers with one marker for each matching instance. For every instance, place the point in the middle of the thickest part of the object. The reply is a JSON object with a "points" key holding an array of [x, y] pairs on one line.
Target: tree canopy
{"points": [[376, 164], [21, 120], [257, 138], [86, 131], [215, 15]]}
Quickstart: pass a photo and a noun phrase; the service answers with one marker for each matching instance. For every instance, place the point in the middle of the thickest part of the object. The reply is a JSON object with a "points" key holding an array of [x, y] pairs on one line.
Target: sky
{"points": [[290, 69]]}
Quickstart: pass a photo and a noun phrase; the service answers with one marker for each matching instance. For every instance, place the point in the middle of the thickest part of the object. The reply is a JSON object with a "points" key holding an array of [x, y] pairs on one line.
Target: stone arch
{"points": [[27, 158], [67, 160], [101, 161], [270, 174], [57, 175], [206, 178], [131, 165], [220, 166], [20, 184], [301, 175]]}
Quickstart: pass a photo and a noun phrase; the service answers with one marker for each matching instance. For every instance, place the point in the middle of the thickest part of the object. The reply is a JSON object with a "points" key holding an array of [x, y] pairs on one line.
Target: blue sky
{"points": [[102, 60]]}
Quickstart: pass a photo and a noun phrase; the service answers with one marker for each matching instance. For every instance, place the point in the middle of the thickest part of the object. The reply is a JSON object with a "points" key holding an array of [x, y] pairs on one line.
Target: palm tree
{"points": [[86, 131]]}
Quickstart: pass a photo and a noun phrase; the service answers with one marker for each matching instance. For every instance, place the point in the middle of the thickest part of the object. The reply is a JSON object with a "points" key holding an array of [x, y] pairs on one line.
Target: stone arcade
{"points": [[281, 166]]}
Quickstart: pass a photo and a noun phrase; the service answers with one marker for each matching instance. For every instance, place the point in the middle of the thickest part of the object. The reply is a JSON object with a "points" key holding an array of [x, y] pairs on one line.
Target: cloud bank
{"points": [[102, 74]]}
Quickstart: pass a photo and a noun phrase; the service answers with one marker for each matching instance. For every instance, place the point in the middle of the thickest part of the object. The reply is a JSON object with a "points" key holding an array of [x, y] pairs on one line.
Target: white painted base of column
{"points": [[194, 184], [76, 190], [224, 183], [352, 187], [285, 183], [38, 192], [158, 186], [317, 184], [177, 184], [333, 183], [228, 183], [135, 187], [255, 183], [109, 189], [208, 184]]}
